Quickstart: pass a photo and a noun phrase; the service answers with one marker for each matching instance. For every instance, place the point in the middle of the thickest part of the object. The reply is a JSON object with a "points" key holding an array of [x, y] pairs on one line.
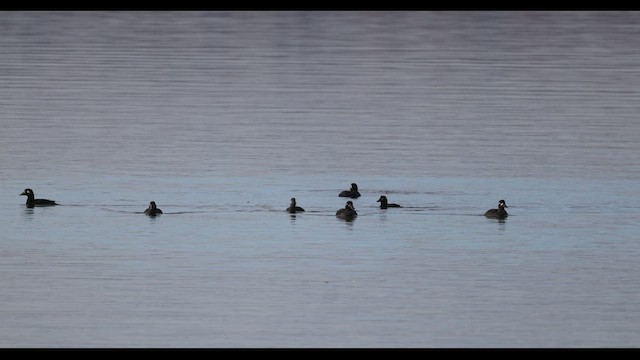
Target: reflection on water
{"points": [[28, 212]]}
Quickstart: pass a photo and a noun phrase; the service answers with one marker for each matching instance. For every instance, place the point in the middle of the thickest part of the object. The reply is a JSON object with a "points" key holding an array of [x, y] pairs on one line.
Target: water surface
{"points": [[222, 117]]}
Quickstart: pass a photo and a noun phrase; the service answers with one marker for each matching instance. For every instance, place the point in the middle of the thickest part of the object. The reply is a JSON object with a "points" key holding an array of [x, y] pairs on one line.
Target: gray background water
{"points": [[222, 117]]}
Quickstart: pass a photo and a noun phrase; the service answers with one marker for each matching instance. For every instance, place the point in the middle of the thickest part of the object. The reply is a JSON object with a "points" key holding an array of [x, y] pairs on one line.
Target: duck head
{"points": [[27, 192]]}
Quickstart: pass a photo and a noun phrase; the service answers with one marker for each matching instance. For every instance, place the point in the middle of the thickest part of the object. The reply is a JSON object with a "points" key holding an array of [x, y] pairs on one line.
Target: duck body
{"points": [[499, 213], [153, 210], [348, 212], [351, 193], [33, 202], [384, 203], [292, 209]]}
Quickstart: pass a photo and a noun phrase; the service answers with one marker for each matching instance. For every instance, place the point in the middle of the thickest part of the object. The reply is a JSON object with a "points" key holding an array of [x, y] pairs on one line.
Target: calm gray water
{"points": [[222, 117]]}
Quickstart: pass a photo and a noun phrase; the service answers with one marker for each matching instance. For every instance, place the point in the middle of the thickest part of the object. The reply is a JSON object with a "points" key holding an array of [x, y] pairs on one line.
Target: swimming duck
{"points": [[348, 212], [152, 210], [32, 201], [351, 193], [384, 204], [499, 213], [293, 208]]}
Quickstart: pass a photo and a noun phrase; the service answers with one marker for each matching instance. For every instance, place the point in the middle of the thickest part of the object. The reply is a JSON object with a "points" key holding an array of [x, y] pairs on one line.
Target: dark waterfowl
{"points": [[385, 204], [351, 193], [348, 212], [32, 201], [293, 208], [499, 213], [152, 210]]}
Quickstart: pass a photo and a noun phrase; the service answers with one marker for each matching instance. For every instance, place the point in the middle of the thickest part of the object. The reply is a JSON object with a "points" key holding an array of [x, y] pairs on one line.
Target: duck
{"points": [[152, 210], [351, 193], [293, 208], [32, 201], [384, 203], [499, 213], [348, 212]]}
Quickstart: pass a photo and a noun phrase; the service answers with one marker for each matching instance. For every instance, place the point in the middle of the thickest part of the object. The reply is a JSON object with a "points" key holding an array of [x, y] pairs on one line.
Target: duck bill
{"points": [[23, 193]]}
